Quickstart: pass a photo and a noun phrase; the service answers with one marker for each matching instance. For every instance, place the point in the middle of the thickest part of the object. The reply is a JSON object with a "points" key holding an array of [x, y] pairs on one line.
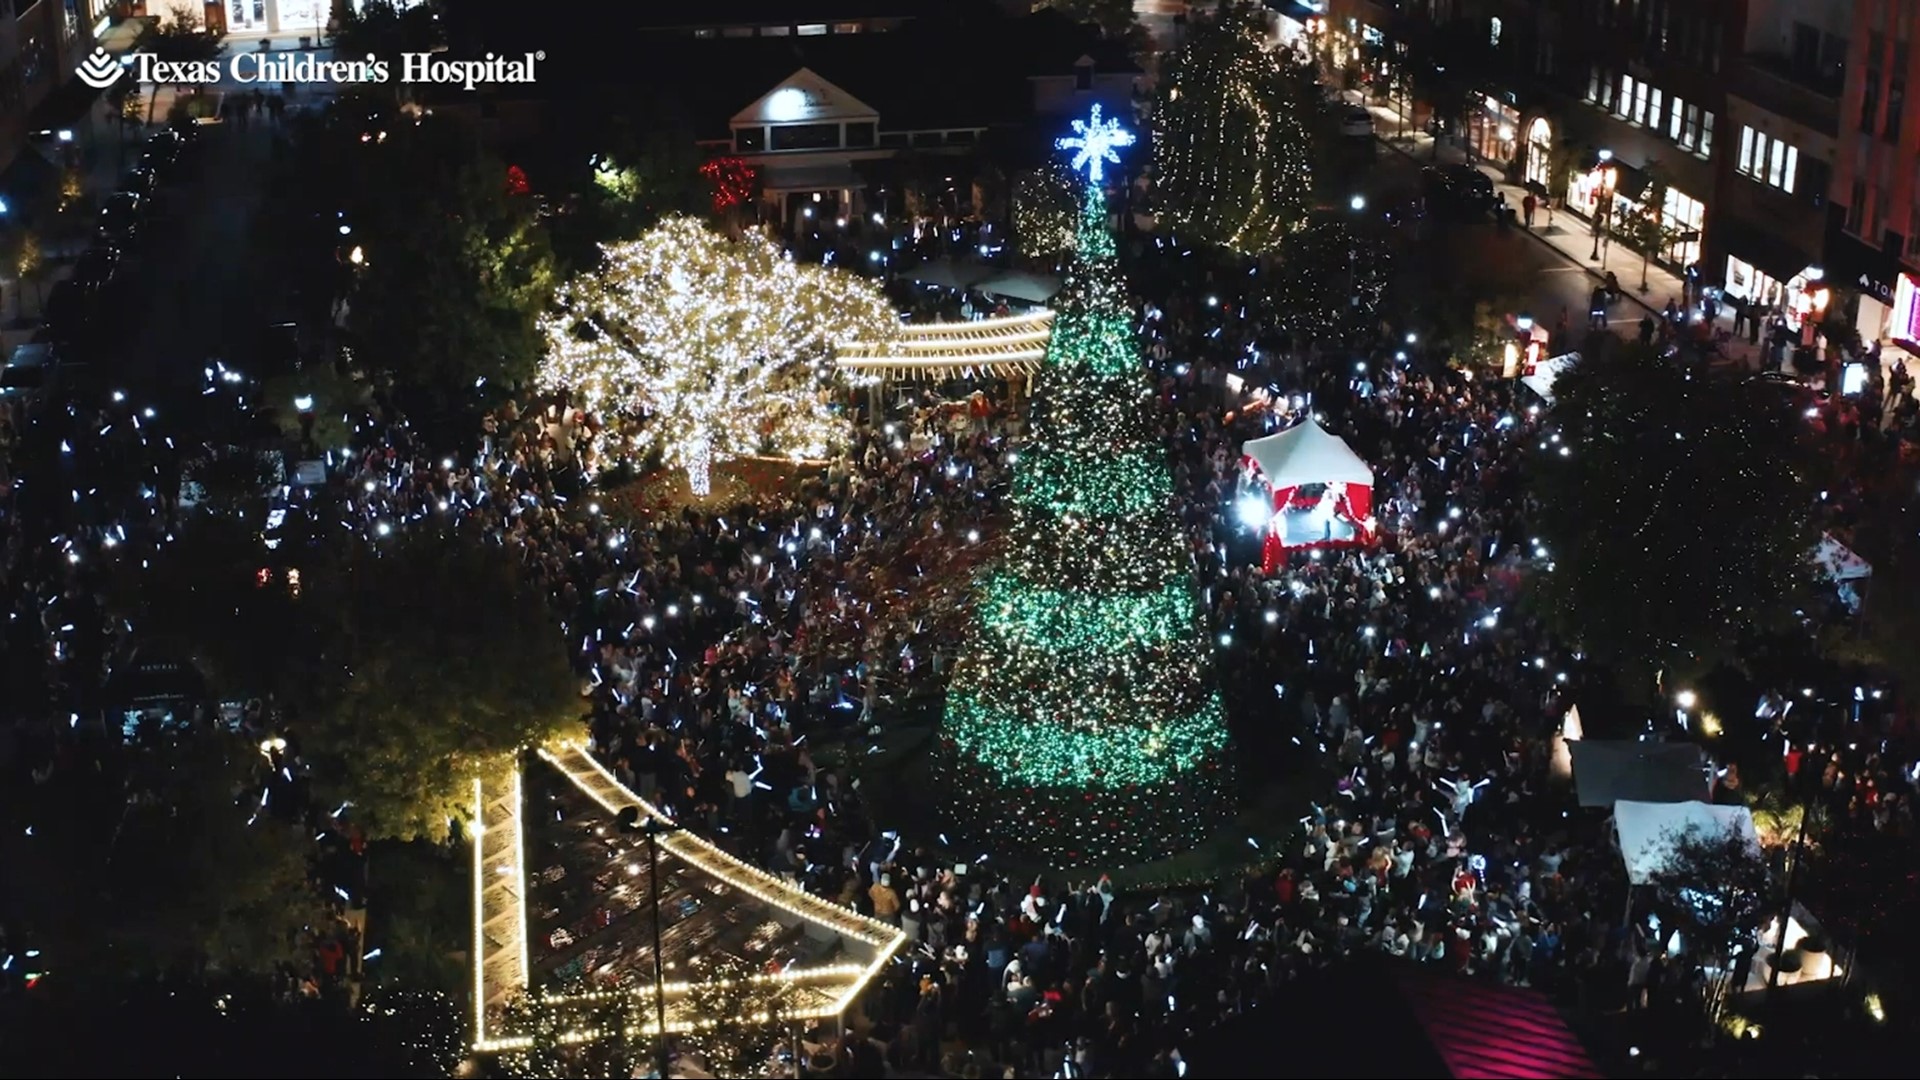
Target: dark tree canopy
{"points": [[1229, 149], [455, 266], [440, 658], [163, 863], [1328, 281], [1677, 511], [1713, 891]]}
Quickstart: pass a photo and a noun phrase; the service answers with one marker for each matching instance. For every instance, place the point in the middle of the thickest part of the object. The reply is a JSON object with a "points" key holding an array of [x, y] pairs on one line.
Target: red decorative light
{"points": [[732, 181], [517, 181]]}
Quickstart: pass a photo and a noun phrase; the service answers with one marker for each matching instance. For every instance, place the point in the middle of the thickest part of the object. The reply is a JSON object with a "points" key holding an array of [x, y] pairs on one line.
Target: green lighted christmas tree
{"points": [[1082, 724]]}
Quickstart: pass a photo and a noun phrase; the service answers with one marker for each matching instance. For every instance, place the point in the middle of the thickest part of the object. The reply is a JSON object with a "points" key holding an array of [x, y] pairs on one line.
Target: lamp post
{"points": [[1603, 200], [628, 820]]}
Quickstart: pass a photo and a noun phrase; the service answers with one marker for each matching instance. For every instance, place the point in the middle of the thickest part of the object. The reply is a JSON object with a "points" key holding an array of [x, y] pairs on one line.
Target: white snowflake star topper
{"points": [[1096, 140]]}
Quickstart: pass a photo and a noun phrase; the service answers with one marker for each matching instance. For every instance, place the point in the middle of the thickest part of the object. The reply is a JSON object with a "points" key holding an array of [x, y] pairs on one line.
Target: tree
{"points": [[336, 403], [384, 30], [1329, 281], [717, 344], [28, 260], [1082, 724], [615, 1050], [1647, 228], [403, 747], [1115, 18], [740, 1017], [1446, 65], [179, 36], [455, 268], [1229, 151], [1677, 508], [1045, 207], [165, 862], [1712, 890]]}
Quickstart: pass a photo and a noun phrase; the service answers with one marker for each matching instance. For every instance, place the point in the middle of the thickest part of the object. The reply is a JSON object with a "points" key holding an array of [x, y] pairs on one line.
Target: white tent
{"points": [[1647, 831], [1307, 453], [1838, 562], [1541, 379]]}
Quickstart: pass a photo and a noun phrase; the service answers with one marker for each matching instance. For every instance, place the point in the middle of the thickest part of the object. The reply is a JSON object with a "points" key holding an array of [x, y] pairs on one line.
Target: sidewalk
{"points": [[1568, 236], [96, 139]]}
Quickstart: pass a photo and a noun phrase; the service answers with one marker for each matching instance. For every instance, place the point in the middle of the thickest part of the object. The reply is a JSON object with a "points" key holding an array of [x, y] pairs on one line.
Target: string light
{"points": [[717, 345], [1082, 725], [505, 1005], [1230, 152], [999, 348], [1046, 203]]}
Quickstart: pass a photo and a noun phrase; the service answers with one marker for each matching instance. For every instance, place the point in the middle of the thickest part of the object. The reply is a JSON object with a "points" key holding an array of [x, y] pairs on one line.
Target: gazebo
{"points": [[1317, 491], [565, 914]]}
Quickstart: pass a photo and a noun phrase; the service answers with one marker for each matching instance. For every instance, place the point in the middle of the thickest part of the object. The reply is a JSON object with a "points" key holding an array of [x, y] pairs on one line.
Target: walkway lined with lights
{"points": [[502, 970]]}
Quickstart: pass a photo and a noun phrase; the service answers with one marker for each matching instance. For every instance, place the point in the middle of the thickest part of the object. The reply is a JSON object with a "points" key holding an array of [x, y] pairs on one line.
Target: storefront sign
{"points": [[1906, 311]]}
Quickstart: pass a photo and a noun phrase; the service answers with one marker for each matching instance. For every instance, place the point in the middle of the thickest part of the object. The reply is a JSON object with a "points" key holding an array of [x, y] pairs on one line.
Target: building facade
{"points": [[1783, 110], [41, 42], [1874, 208]]}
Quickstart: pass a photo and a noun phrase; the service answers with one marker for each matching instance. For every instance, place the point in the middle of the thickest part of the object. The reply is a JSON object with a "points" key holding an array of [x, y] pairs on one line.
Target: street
{"points": [[1508, 266]]}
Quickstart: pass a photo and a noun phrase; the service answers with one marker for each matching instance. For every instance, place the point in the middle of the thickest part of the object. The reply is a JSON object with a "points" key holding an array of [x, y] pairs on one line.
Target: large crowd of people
{"points": [[728, 648], [737, 663]]}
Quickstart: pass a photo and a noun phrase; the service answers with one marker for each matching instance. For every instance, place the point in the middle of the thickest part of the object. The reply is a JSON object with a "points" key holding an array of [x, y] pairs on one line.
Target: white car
{"points": [[1356, 122]]}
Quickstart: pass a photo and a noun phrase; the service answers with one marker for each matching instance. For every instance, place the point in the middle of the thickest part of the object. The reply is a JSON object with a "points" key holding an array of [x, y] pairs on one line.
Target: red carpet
{"points": [[1496, 1032]]}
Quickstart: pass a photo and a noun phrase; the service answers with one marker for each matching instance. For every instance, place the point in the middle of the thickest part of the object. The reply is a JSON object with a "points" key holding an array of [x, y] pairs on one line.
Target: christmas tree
{"points": [[1082, 723]]}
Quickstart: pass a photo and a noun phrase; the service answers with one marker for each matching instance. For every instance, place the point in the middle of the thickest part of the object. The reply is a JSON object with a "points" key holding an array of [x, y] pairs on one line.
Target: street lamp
{"points": [[1357, 203], [628, 820], [1603, 199]]}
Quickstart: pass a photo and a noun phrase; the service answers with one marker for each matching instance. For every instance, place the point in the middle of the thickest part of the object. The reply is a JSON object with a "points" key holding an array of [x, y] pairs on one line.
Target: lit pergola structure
{"points": [[1010, 348], [585, 918]]}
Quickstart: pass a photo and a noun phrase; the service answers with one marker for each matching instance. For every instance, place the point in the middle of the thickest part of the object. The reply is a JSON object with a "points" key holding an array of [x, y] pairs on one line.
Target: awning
{"points": [[1020, 285], [1295, 10], [791, 179], [1770, 253], [1606, 771], [1629, 182], [950, 273]]}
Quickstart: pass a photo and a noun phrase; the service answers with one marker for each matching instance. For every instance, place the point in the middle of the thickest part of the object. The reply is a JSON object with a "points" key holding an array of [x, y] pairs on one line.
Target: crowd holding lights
{"points": [[702, 348]]}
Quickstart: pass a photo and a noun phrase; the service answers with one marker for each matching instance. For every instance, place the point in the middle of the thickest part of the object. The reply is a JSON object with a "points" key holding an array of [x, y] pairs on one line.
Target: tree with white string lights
{"points": [[717, 346]]}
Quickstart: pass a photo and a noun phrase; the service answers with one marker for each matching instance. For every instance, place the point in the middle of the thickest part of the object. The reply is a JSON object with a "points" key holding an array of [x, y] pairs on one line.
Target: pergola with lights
{"points": [[1003, 348], [563, 899]]}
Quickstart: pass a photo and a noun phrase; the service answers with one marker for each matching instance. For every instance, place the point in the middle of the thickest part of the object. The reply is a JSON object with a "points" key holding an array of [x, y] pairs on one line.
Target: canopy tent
{"points": [[1606, 771], [1647, 831], [1001, 348], [1841, 567], [1308, 455], [1020, 285], [1541, 377], [950, 273]]}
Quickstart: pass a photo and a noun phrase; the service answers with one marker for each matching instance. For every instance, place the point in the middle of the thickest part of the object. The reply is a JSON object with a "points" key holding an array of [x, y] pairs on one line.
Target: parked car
{"points": [[96, 269], [140, 180], [120, 218], [1457, 190], [165, 146], [1357, 123], [28, 374]]}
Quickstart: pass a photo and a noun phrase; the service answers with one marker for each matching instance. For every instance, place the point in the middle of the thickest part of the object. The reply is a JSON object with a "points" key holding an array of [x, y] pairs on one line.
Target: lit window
{"points": [[1673, 119], [812, 29], [1493, 32]]}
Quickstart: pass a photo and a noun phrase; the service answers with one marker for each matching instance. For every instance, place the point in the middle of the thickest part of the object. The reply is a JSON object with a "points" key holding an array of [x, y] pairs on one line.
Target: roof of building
{"points": [[771, 12], [930, 74]]}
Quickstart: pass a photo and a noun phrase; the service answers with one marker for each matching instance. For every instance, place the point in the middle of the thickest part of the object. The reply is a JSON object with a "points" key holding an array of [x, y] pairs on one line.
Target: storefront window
{"points": [[1684, 214], [1755, 286], [1906, 310], [1492, 128], [1539, 153]]}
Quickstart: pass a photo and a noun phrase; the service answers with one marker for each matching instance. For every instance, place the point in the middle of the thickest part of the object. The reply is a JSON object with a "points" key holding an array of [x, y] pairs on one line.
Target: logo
{"points": [[100, 70]]}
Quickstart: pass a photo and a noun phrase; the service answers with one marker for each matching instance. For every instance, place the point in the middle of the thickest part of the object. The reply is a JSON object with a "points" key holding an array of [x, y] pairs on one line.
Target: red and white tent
{"points": [[1306, 455]]}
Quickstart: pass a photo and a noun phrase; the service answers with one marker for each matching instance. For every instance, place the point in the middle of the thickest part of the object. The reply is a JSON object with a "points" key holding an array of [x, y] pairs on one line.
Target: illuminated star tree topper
{"points": [[1096, 141]]}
